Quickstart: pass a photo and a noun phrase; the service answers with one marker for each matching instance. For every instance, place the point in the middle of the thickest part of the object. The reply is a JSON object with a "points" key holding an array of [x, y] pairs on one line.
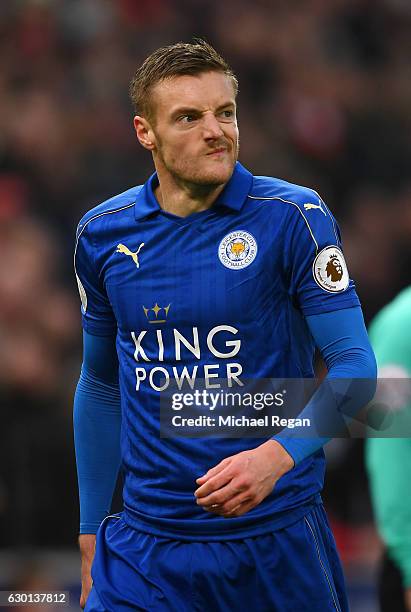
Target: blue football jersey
{"points": [[220, 294]]}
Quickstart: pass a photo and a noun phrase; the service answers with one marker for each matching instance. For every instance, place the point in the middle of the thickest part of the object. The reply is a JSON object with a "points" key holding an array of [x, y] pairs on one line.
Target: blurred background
{"points": [[325, 101]]}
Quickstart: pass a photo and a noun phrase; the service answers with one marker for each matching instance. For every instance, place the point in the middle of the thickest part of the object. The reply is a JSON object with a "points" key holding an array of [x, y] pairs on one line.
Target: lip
{"points": [[218, 151]]}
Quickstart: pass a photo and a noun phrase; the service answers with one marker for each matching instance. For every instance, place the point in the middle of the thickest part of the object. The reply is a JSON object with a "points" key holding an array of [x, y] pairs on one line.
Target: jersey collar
{"points": [[233, 195]]}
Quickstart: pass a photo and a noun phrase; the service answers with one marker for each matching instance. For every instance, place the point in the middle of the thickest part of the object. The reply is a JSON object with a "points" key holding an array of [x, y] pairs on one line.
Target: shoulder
{"points": [[300, 205], [120, 203], [391, 337], [396, 314], [275, 190]]}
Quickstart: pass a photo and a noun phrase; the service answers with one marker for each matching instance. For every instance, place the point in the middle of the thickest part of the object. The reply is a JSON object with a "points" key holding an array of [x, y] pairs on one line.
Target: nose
{"points": [[212, 127]]}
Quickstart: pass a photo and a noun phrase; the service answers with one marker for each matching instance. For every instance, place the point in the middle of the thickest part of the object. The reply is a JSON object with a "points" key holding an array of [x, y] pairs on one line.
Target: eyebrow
{"points": [[187, 110]]}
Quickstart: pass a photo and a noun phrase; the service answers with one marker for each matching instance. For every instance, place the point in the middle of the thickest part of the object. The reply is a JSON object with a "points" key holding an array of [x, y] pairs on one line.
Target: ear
{"points": [[144, 132]]}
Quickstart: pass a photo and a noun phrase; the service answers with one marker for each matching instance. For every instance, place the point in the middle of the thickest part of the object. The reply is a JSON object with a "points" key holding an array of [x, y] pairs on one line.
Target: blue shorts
{"points": [[294, 568]]}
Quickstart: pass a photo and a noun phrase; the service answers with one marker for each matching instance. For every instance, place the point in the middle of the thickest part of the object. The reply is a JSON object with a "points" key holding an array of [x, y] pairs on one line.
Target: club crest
{"points": [[237, 250]]}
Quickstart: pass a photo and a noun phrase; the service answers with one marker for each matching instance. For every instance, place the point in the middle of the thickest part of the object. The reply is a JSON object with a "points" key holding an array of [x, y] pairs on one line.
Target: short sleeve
{"points": [[319, 278], [97, 314]]}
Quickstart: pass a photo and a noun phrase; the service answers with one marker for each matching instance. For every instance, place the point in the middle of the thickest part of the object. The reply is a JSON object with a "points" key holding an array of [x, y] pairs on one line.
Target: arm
{"points": [[97, 421], [388, 462], [389, 459], [350, 384], [241, 482]]}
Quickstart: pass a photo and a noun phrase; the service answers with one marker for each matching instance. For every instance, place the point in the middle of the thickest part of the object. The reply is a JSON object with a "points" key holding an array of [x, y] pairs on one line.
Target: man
{"points": [[389, 458], [206, 272]]}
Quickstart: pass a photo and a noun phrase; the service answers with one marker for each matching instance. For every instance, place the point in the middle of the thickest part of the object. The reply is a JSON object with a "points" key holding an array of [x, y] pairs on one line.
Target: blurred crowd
{"points": [[325, 101]]}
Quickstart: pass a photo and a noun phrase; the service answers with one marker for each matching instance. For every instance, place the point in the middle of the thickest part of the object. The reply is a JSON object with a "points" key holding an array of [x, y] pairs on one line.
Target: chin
{"points": [[213, 176]]}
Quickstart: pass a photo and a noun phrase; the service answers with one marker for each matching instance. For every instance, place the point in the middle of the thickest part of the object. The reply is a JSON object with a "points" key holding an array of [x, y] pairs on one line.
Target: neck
{"points": [[183, 198]]}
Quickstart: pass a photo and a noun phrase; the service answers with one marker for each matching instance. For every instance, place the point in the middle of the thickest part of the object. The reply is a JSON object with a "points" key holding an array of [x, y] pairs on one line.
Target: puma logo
{"points": [[310, 206], [121, 248]]}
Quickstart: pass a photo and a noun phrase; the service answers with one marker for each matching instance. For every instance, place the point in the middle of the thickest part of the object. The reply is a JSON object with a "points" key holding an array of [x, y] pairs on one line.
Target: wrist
{"points": [[87, 545], [277, 454]]}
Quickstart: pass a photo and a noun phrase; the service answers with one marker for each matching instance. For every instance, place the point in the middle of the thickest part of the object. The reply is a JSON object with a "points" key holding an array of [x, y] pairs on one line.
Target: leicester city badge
{"points": [[237, 250]]}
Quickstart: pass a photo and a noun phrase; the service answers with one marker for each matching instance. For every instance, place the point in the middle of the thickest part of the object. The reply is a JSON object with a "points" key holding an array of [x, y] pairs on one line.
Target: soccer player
{"points": [[389, 459], [206, 272]]}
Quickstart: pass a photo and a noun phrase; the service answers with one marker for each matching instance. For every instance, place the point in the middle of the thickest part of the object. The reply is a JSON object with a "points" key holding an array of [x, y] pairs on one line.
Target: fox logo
{"points": [[238, 248], [122, 248], [311, 206]]}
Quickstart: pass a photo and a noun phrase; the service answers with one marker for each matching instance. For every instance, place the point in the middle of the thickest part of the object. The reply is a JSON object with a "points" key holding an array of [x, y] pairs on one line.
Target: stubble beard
{"points": [[188, 176]]}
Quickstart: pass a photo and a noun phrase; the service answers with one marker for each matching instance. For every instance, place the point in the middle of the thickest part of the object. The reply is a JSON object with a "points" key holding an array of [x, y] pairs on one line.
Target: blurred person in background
{"points": [[201, 235], [389, 459]]}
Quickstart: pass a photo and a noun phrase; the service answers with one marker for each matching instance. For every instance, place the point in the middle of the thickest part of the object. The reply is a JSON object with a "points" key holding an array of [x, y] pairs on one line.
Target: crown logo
{"points": [[156, 309]]}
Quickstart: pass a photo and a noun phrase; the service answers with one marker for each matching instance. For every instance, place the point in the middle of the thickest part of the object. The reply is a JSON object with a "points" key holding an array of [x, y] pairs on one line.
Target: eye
{"points": [[187, 118], [227, 115]]}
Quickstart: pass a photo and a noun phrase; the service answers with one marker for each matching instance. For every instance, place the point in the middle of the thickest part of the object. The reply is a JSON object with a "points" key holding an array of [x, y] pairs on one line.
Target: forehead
{"points": [[202, 91]]}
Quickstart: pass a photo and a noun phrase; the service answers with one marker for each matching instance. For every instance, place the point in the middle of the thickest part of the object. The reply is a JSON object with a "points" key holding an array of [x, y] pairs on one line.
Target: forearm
{"points": [[97, 423], [349, 385]]}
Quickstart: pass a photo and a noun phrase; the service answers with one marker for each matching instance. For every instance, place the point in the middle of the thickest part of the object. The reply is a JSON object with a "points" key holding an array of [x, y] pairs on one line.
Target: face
{"points": [[193, 133]]}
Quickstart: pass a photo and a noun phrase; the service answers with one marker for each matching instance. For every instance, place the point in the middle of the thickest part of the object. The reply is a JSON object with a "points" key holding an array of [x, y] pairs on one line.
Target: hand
{"points": [[87, 543], [239, 483], [408, 599]]}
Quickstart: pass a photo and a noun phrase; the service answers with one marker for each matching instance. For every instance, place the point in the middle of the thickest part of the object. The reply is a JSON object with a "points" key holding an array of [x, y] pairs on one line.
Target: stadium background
{"points": [[325, 101]]}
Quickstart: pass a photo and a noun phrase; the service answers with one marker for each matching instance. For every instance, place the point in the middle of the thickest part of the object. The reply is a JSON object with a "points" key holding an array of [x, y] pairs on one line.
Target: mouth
{"points": [[218, 151]]}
